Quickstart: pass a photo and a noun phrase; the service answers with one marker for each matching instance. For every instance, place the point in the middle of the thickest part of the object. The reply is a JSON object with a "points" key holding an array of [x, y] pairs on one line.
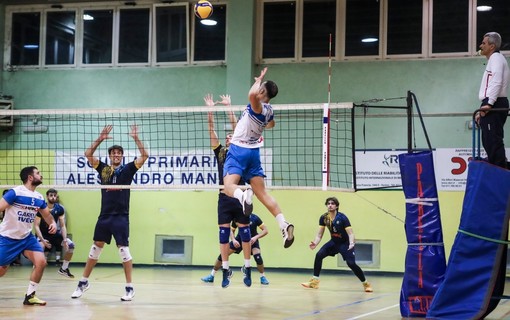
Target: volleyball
{"points": [[203, 9]]}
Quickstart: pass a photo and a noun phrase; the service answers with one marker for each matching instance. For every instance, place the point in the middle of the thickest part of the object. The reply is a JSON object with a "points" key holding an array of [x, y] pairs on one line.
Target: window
{"points": [[25, 38], [97, 36], [362, 28], [450, 26], [319, 21], [495, 19], [405, 21], [60, 37], [279, 33], [171, 34], [210, 39], [134, 35]]}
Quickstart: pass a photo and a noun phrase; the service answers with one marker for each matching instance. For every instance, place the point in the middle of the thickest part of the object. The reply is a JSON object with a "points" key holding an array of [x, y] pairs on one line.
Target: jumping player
{"points": [[243, 159]]}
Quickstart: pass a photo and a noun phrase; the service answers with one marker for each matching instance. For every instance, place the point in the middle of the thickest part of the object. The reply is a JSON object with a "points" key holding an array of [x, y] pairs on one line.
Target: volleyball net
{"points": [[311, 146]]}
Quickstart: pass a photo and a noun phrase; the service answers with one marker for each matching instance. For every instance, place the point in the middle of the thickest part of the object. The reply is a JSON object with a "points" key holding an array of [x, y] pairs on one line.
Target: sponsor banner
{"points": [[376, 169], [451, 167], [173, 167], [380, 168]]}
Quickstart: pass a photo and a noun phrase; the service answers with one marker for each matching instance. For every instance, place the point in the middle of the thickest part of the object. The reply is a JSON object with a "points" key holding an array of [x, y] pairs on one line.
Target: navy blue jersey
{"points": [[57, 211], [113, 200], [255, 222], [220, 152], [336, 226]]}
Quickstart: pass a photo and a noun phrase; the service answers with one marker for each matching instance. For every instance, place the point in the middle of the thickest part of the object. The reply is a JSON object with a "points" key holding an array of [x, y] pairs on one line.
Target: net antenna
{"points": [[325, 140]]}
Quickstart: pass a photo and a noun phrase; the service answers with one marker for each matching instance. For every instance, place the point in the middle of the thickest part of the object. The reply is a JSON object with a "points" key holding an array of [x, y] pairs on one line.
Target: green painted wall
{"points": [[193, 213]]}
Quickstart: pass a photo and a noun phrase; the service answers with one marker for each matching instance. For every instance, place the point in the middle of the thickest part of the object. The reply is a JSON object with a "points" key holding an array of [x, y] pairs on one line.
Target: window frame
{"points": [[116, 8], [427, 34]]}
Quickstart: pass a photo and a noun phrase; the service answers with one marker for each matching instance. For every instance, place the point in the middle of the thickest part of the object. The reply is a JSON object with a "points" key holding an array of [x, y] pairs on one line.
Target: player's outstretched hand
{"points": [[208, 99], [134, 131], [225, 100], [105, 133]]}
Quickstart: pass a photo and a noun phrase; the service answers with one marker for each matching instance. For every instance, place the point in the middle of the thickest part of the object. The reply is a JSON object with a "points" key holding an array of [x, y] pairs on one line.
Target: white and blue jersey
{"points": [[20, 215], [249, 128]]}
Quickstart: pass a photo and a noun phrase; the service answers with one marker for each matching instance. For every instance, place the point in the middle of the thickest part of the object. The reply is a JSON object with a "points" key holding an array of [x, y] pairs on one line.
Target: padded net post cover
{"points": [[473, 279], [425, 261]]}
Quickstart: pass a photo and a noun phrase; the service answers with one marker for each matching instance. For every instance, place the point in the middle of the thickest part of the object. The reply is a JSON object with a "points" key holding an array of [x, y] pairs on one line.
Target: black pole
{"points": [[409, 122]]}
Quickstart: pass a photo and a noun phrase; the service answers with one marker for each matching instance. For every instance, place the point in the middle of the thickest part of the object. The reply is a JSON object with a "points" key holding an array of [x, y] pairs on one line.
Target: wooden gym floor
{"points": [[178, 293]]}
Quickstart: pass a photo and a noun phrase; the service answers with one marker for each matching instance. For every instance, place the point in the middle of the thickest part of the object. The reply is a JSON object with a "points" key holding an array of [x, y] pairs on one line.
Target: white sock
{"points": [[224, 265], [247, 263], [83, 279], [238, 194], [65, 265], [130, 285], [213, 272], [32, 287], [281, 220]]}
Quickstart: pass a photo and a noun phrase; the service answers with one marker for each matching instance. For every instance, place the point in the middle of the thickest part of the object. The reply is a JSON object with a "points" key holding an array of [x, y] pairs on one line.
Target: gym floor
{"points": [[178, 293]]}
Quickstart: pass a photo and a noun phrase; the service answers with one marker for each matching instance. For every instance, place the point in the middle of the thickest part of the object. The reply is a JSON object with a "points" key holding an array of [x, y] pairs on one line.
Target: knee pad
{"points": [[124, 253], [224, 235], [245, 234], [95, 252], [258, 259], [70, 245]]}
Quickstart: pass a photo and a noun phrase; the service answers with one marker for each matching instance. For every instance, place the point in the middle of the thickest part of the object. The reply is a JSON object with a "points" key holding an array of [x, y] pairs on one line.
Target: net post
{"points": [[325, 147], [409, 122]]}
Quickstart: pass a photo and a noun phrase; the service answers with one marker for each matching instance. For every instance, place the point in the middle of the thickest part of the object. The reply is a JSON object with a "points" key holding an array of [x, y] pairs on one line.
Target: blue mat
{"points": [[475, 276]]}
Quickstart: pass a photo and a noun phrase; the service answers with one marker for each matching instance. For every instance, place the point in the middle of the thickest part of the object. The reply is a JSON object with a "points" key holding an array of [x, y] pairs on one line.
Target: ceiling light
{"points": [[483, 8], [31, 46], [368, 40], [208, 22], [87, 17]]}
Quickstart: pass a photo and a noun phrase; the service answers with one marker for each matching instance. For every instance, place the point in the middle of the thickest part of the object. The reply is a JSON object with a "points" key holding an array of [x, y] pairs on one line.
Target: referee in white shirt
{"points": [[493, 95]]}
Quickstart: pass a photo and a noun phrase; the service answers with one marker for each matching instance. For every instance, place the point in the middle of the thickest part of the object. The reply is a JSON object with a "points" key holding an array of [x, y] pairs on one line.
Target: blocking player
{"points": [[235, 247], [229, 209]]}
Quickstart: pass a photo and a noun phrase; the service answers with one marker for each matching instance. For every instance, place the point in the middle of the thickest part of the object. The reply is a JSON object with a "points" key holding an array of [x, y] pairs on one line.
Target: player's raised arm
{"points": [[255, 92], [89, 153], [144, 155], [226, 101], [208, 99]]}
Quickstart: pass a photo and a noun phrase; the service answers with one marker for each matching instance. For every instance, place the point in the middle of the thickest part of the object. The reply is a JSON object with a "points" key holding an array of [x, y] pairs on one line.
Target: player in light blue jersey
{"points": [[21, 204], [243, 158]]}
